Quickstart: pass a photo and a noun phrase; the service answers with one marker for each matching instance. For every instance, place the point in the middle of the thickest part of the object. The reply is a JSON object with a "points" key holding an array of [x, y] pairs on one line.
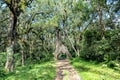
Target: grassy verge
{"points": [[93, 71], [43, 71]]}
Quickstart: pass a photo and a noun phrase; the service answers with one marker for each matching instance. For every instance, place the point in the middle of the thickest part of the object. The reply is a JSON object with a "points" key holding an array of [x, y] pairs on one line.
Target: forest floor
{"points": [[42, 71], [64, 71], [91, 70]]}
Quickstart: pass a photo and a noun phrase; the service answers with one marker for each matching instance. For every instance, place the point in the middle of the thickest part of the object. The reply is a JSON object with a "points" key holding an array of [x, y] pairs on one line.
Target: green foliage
{"points": [[111, 64], [2, 63], [43, 71], [2, 59], [62, 56], [2, 73], [79, 18], [87, 69], [100, 50]]}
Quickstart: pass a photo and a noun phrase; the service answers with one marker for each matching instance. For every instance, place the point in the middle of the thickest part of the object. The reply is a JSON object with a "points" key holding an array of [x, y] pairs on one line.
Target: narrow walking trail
{"points": [[65, 71]]}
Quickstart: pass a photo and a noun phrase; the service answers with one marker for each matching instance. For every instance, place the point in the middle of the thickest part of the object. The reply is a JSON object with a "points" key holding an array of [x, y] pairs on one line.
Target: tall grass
{"points": [[43, 71], [89, 70]]}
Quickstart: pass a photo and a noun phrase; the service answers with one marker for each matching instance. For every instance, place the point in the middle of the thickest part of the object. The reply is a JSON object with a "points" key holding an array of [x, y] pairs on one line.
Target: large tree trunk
{"points": [[57, 43], [9, 66], [60, 47]]}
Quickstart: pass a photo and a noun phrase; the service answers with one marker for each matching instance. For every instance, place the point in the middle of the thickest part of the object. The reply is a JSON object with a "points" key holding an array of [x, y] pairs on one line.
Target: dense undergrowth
{"points": [[97, 49]]}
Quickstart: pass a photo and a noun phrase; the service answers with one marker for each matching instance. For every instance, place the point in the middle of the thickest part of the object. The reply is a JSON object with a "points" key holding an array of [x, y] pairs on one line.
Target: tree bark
{"points": [[60, 47], [9, 66], [102, 26], [23, 58], [77, 52]]}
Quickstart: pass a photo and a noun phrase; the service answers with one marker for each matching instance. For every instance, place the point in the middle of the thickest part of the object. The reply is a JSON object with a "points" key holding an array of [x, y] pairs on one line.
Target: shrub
{"points": [[95, 48], [2, 59], [111, 64], [2, 73]]}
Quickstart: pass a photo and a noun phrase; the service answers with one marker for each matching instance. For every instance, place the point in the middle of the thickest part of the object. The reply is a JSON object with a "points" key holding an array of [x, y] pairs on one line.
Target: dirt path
{"points": [[65, 71]]}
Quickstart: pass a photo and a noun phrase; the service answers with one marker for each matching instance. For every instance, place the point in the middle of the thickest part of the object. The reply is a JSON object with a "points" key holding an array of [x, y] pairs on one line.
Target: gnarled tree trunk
{"points": [[9, 66], [60, 47]]}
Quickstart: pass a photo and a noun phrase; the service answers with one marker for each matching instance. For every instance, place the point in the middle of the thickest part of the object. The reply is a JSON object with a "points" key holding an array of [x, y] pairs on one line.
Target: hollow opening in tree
{"points": [[60, 47], [61, 56]]}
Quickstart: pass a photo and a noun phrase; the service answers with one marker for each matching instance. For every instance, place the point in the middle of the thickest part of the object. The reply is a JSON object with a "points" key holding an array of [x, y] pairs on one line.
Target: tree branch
{"points": [[4, 20]]}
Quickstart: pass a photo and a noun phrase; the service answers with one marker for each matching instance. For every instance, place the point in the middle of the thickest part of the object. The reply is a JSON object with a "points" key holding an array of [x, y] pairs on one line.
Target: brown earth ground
{"points": [[65, 71]]}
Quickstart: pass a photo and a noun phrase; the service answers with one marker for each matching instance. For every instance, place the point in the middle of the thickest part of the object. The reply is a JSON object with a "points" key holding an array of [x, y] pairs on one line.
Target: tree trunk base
{"points": [[9, 66]]}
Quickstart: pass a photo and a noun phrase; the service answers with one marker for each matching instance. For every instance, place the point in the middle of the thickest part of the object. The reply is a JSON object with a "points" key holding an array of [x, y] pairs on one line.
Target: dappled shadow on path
{"points": [[65, 71]]}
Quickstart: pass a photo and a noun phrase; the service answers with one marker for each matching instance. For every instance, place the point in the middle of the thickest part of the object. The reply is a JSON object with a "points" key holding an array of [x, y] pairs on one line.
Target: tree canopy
{"points": [[32, 31]]}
